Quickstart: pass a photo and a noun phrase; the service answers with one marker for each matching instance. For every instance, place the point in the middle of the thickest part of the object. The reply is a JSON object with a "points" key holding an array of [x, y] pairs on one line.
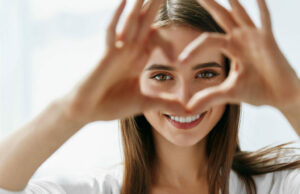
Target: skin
{"points": [[260, 73], [252, 51], [95, 97], [180, 153], [113, 76]]}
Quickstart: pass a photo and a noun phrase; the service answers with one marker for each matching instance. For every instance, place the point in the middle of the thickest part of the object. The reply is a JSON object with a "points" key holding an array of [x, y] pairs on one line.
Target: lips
{"points": [[185, 124]]}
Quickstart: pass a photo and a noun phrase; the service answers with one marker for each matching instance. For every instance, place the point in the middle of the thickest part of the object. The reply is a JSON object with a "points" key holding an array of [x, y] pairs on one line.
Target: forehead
{"points": [[181, 36]]}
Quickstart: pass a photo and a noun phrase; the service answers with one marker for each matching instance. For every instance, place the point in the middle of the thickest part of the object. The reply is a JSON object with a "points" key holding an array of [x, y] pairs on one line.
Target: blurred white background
{"points": [[47, 46]]}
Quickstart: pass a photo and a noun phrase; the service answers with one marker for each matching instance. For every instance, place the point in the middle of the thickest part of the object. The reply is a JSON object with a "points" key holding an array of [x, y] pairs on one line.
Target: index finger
{"points": [[148, 17], [131, 24], [264, 15], [220, 14], [111, 29]]}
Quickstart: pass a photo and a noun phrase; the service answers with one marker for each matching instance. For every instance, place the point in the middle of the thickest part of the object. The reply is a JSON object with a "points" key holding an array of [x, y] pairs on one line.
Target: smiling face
{"points": [[205, 70]]}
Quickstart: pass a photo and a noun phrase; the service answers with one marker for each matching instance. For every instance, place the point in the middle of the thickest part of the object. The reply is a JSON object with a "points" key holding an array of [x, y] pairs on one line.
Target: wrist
{"points": [[64, 116], [292, 106], [291, 111]]}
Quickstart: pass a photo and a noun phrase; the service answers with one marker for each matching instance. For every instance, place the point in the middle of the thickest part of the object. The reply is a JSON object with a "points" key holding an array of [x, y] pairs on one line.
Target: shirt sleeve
{"points": [[289, 180], [70, 185]]}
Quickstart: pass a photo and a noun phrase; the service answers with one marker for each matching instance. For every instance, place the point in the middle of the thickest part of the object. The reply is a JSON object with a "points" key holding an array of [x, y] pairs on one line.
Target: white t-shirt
{"points": [[110, 181]]}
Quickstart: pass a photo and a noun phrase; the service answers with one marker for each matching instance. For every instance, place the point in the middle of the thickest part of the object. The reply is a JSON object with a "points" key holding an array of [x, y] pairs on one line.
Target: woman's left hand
{"points": [[259, 73]]}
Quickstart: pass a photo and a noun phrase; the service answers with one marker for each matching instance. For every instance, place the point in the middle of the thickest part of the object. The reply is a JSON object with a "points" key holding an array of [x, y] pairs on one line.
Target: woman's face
{"points": [[205, 70]]}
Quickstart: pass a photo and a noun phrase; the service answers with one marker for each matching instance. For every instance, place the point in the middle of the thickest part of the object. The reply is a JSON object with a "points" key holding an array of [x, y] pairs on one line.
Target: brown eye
{"points": [[161, 77], [207, 74]]}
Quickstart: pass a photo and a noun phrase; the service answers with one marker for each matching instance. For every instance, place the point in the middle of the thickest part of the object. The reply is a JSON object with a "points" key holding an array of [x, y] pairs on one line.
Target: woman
{"points": [[176, 85]]}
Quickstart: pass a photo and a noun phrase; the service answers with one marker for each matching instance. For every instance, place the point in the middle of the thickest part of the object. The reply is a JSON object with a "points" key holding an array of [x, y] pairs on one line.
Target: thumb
{"points": [[225, 92], [209, 97]]}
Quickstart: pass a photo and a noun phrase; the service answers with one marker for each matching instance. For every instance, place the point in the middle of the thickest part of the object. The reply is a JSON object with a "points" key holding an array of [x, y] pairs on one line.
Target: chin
{"points": [[184, 141]]}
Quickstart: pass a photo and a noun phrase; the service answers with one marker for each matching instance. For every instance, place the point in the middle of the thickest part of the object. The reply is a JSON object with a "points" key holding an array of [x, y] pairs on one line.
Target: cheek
{"points": [[158, 123], [215, 116], [153, 117]]}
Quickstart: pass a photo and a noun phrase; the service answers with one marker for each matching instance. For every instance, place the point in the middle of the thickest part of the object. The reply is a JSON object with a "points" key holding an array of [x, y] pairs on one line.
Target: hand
{"points": [[259, 73], [112, 89]]}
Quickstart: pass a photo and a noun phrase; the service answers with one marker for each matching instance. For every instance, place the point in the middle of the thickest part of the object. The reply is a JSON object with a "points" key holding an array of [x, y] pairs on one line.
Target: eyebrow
{"points": [[169, 68]]}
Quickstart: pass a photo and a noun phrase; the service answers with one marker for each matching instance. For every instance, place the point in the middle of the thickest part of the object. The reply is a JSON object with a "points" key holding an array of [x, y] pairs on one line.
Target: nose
{"points": [[184, 93]]}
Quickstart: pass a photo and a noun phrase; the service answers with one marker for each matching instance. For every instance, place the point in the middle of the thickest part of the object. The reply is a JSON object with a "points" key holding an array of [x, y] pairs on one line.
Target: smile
{"points": [[185, 122]]}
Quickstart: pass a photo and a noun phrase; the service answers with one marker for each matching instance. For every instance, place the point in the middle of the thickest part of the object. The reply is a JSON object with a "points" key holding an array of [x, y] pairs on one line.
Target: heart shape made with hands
{"points": [[259, 72], [258, 69]]}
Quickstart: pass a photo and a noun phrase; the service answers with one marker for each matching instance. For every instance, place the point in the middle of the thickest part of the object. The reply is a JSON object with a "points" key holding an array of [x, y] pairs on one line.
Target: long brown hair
{"points": [[222, 148]]}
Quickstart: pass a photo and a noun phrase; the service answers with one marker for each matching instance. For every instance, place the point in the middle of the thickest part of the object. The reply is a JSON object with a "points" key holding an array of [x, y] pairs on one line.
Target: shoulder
{"points": [[278, 182], [111, 176], [98, 181]]}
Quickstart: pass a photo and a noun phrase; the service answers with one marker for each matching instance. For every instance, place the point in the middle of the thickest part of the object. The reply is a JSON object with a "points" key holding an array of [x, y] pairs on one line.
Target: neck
{"points": [[177, 165]]}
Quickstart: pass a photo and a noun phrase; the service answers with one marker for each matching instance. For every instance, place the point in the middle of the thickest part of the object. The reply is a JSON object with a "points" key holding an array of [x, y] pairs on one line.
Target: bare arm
{"points": [[96, 97], [22, 152], [294, 119], [292, 114]]}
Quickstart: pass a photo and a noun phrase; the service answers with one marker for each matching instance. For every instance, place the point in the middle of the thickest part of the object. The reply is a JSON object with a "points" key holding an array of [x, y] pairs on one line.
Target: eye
{"points": [[206, 74], [161, 77]]}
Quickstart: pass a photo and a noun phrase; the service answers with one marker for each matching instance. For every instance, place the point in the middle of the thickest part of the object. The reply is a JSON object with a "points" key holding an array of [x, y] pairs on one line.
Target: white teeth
{"points": [[185, 119], [189, 119]]}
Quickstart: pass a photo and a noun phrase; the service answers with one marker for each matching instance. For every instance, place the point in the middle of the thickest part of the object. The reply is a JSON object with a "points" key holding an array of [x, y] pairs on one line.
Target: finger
{"points": [[240, 15], [131, 24], [208, 98], [204, 42], [142, 61], [148, 18], [220, 14], [163, 101], [111, 29], [264, 15], [156, 40], [226, 92], [146, 7]]}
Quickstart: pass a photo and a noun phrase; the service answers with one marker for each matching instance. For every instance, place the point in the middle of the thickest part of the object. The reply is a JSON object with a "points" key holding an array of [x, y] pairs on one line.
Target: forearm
{"points": [[293, 116], [292, 112], [22, 152]]}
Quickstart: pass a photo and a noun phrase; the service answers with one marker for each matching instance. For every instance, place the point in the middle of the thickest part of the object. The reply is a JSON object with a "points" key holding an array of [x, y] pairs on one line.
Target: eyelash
{"points": [[214, 74]]}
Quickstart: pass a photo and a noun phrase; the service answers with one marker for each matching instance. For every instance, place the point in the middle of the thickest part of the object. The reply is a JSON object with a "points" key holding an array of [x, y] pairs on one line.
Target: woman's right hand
{"points": [[112, 89]]}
